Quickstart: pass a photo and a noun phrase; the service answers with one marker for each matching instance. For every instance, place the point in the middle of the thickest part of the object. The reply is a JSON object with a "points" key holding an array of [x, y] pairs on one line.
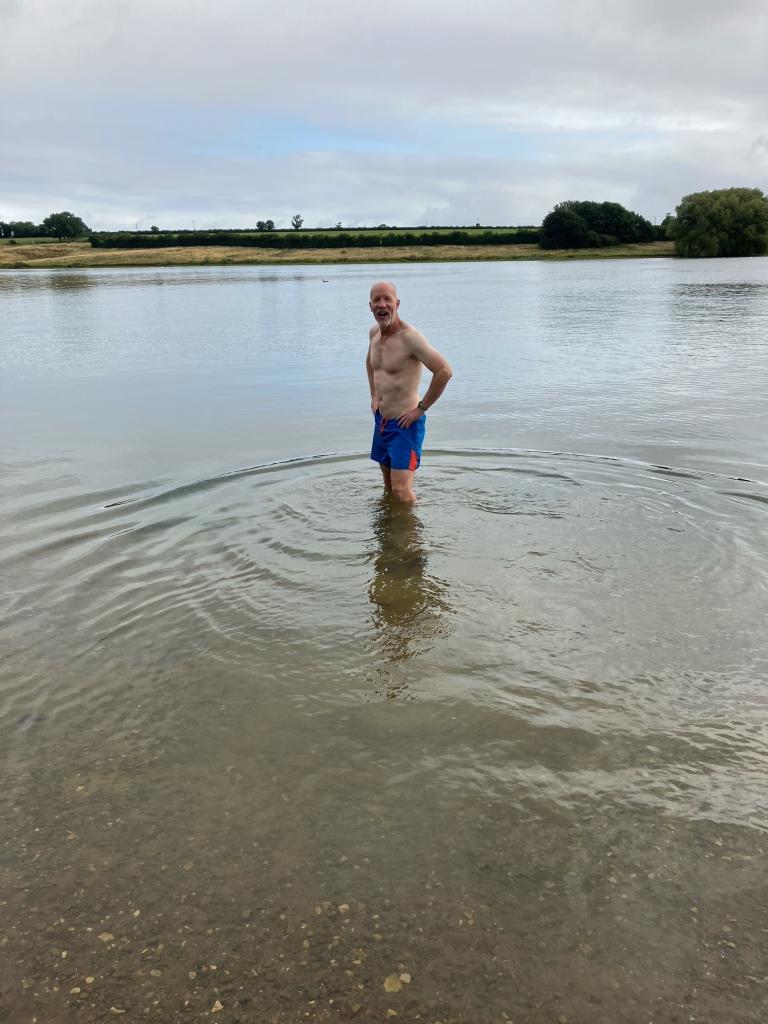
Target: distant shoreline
{"points": [[80, 255]]}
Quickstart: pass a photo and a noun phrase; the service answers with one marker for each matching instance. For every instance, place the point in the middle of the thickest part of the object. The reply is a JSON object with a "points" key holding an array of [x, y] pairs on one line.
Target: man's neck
{"points": [[392, 328]]}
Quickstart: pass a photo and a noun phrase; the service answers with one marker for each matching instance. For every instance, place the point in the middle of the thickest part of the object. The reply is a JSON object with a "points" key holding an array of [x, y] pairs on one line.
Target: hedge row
{"points": [[312, 239]]}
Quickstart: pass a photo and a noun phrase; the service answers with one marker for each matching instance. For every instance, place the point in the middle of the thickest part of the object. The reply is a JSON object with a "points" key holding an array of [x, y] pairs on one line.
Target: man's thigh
{"points": [[405, 446]]}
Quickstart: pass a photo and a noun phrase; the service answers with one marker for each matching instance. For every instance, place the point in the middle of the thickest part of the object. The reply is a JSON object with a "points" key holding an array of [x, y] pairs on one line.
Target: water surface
{"points": [[274, 743]]}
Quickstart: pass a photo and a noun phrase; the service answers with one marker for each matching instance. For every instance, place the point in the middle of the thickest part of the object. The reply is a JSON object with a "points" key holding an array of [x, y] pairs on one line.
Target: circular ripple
{"points": [[595, 625]]}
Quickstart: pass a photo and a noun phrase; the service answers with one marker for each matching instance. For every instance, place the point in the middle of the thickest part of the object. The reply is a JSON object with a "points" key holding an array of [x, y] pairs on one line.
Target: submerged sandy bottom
{"points": [[500, 758]]}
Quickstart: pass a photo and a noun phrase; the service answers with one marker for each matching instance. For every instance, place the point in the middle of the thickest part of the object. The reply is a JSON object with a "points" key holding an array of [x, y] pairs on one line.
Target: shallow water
{"points": [[272, 741]]}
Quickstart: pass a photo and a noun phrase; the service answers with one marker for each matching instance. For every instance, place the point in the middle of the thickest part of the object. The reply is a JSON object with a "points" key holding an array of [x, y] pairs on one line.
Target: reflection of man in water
{"points": [[396, 354], [409, 603]]}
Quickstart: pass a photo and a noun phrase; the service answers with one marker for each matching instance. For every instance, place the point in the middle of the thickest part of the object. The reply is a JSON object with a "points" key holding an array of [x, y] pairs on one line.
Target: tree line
{"points": [[328, 239], [723, 222], [64, 225]]}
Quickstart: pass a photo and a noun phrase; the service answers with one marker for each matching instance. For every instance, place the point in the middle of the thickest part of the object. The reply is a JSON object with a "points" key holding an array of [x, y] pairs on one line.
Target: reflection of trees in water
{"points": [[718, 300], [93, 279], [409, 604], [52, 280]]}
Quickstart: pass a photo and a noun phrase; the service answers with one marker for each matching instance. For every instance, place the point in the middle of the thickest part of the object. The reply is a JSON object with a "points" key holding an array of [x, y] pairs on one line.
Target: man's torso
{"points": [[396, 373]]}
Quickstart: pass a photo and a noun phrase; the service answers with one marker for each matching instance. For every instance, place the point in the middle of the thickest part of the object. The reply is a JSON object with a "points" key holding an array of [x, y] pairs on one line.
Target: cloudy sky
{"points": [[221, 112]]}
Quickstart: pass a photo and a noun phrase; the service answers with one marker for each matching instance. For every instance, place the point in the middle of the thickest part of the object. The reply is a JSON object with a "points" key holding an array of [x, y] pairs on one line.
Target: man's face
{"points": [[384, 303]]}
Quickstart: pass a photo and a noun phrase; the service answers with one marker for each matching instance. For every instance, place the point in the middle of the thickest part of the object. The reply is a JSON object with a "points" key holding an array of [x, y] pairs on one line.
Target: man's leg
{"points": [[379, 451], [405, 452], [402, 484]]}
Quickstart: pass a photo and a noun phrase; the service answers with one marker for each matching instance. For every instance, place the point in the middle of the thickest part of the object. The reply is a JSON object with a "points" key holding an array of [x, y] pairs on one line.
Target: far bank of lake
{"points": [[51, 255]]}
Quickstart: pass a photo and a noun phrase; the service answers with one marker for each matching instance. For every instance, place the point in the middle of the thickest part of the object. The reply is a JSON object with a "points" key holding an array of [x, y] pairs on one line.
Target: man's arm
{"points": [[439, 367], [369, 371]]}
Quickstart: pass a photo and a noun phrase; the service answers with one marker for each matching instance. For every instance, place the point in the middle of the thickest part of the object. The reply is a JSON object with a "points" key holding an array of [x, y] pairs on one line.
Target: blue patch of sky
{"points": [[247, 135], [206, 130], [213, 132]]}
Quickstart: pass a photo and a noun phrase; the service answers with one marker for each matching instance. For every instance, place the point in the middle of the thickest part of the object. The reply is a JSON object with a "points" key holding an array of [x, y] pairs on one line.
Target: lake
{"points": [[276, 749]]}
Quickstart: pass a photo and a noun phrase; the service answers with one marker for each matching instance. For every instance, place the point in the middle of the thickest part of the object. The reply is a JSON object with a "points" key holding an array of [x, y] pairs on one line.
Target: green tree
{"points": [[663, 229], [20, 229], [296, 221], [265, 225], [564, 228], [724, 222], [64, 225], [576, 224]]}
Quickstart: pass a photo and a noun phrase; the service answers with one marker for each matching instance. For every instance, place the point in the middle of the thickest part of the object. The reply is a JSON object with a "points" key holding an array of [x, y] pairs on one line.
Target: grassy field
{"points": [[35, 240], [49, 254]]}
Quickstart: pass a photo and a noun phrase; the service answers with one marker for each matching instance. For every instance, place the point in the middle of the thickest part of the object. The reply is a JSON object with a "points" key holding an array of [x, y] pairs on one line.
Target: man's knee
{"points": [[402, 489]]}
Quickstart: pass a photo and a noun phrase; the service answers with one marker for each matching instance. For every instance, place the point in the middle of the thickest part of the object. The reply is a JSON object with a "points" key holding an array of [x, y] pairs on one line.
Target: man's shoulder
{"points": [[412, 336]]}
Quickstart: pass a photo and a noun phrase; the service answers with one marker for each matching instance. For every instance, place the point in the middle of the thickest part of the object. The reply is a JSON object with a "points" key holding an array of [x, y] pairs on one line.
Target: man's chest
{"points": [[390, 355]]}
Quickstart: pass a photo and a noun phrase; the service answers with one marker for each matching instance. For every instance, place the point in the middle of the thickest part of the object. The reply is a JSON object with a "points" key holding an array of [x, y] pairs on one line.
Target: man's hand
{"points": [[374, 405], [410, 417]]}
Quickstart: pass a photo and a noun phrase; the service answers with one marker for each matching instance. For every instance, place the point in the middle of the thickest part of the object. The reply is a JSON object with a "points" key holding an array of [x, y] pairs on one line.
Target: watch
{"points": [[420, 405]]}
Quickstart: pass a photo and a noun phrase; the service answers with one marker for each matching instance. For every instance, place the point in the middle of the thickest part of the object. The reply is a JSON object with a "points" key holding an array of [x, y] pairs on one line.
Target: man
{"points": [[396, 354]]}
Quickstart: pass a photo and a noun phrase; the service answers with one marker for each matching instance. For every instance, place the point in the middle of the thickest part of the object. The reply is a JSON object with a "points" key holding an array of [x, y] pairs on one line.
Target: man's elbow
{"points": [[445, 374]]}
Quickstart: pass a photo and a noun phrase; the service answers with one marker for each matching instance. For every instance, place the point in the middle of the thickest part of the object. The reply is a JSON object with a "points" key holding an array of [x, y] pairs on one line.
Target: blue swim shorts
{"points": [[398, 447]]}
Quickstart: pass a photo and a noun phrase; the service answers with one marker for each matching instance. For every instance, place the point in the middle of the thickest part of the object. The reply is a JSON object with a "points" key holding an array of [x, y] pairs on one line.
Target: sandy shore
{"points": [[51, 255]]}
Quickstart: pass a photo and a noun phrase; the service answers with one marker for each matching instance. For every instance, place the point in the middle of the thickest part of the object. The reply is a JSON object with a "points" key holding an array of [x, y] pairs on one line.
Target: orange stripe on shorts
{"points": [[414, 463]]}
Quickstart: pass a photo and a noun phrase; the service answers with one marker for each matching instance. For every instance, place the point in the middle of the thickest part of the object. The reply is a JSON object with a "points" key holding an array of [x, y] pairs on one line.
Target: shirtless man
{"points": [[396, 353]]}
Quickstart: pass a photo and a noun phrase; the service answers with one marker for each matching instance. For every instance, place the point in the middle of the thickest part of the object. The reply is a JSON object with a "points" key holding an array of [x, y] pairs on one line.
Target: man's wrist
{"points": [[420, 405]]}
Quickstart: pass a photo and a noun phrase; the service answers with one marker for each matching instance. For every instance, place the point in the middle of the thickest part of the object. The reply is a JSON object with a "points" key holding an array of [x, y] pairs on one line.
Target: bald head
{"points": [[383, 285]]}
